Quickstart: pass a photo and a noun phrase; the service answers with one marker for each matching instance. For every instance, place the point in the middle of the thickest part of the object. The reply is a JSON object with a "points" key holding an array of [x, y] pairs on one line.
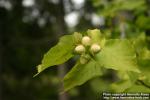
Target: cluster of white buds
{"points": [[85, 48]]}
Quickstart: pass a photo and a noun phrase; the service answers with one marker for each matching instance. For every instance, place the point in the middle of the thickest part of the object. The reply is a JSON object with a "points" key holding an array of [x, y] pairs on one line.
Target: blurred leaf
{"points": [[97, 3], [127, 80], [58, 54], [139, 41], [118, 55], [128, 75], [128, 4], [111, 8], [133, 76], [99, 85], [143, 22], [144, 54], [144, 63], [143, 57], [121, 85], [138, 88], [81, 73]]}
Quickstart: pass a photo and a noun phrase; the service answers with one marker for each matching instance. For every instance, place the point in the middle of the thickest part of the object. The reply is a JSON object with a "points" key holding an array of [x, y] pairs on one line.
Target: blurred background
{"points": [[28, 28]]}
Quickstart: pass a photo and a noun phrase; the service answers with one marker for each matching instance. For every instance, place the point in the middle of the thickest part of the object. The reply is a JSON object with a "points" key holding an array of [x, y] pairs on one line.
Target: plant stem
{"points": [[140, 81]]}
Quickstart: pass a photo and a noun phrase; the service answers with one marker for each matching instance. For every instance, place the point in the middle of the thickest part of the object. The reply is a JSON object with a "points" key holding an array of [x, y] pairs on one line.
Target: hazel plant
{"points": [[95, 53], [86, 48]]}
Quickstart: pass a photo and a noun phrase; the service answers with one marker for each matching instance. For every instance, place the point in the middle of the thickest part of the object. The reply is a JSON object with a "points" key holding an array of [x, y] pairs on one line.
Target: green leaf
{"points": [[144, 63], [112, 8], [121, 85], [58, 54], [127, 80], [118, 55], [128, 4], [138, 88], [128, 75], [143, 22], [98, 85], [139, 42], [81, 73]]}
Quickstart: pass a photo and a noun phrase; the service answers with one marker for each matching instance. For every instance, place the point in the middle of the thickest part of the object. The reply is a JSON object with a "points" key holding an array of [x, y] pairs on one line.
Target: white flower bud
{"points": [[95, 48], [80, 49], [86, 40]]}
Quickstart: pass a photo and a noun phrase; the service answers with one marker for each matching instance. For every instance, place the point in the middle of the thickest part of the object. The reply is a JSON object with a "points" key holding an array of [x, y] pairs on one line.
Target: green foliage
{"points": [[59, 54], [138, 88], [116, 54], [121, 85], [111, 8], [127, 81], [143, 22], [144, 63], [34, 28], [81, 73]]}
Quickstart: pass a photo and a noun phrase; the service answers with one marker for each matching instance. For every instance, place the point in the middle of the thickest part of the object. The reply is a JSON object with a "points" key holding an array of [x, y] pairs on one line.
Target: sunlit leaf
{"points": [[58, 54], [81, 73], [118, 55]]}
